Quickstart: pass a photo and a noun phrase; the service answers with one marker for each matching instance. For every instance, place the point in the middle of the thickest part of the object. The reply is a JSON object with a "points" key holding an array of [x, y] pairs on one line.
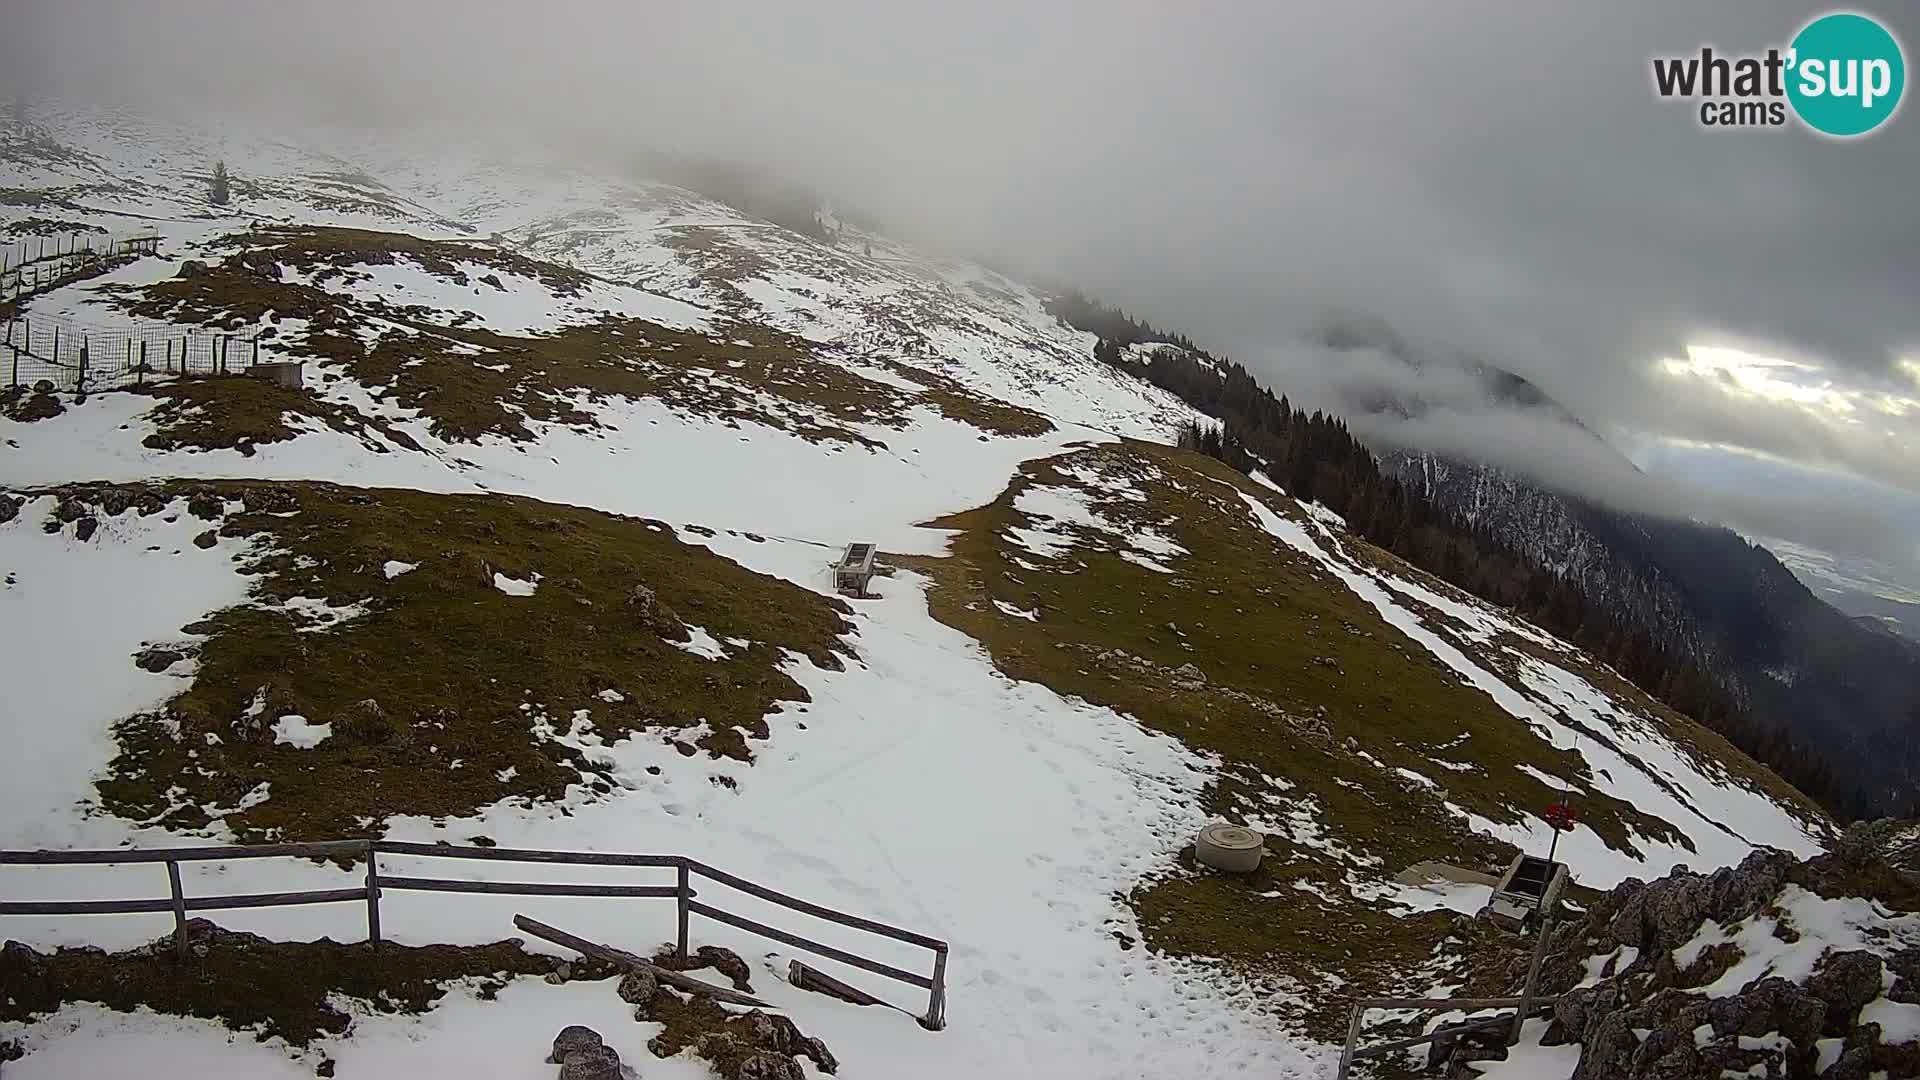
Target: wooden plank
{"points": [[815, 947], [500, 854], [179, 909], [83, 907], [1533, 979], [280, 899], [1440, 1003], [524, 888], [806, 977], [1355, 1014], [318, 850], [682, 893], [373, 898], [936, 1017], [631, 962], [813, 909], [1379, 1049]]}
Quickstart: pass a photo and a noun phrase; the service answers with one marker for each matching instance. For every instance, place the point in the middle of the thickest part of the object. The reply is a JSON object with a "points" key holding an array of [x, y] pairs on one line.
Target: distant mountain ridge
{"points": [[1803, 670]]}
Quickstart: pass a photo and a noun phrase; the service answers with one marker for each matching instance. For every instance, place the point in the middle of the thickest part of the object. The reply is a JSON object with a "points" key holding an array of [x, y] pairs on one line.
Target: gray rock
{"points": [[1607, 1053], [206, 505], [1855, 1063], [593, 1063], [572, 1039], [768, 1065], [638, 987], [1846, 981]]}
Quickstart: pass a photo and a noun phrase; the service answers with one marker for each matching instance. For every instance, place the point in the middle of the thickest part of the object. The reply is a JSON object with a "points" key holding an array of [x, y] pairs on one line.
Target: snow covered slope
{"points": [[1094, 643]]}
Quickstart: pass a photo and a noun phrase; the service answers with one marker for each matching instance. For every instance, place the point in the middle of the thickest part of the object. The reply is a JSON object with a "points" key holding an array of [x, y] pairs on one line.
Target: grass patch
{"points": [[1309, 698], [443, 692], [277, 989], [39, 226], [240, 413], [471, 383]]}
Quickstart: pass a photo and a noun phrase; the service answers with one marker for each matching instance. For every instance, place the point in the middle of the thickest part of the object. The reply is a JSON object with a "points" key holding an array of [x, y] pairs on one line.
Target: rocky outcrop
{"points": [[1643, 978], [657, 616], [754, 1045], [583, 1055]]}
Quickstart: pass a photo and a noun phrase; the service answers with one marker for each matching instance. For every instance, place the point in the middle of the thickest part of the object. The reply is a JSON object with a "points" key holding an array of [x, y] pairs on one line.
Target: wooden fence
{"points": [[681, 892], [1522, 1006]]}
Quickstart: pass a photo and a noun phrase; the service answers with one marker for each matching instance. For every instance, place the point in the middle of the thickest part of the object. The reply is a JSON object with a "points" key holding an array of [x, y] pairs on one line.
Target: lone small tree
{"points": [[220, 192]]}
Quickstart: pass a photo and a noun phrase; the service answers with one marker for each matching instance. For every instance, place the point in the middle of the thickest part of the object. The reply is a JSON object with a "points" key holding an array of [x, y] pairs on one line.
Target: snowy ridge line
{"points": [[681, 892]]}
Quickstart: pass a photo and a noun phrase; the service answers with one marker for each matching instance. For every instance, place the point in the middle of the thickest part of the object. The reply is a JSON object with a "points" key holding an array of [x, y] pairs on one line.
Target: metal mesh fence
{"points": [[83, 359], [37, 263]]}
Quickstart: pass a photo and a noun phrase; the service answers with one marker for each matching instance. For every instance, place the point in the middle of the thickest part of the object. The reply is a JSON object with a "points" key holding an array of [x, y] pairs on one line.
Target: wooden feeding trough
{"points": [[1530, 885], [854, 570], [280, 373]]}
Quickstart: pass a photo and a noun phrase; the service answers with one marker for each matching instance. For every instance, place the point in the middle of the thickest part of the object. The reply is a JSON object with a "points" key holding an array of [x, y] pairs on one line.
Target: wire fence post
{"points": [[373, 899], [140, 373], [256, 352], [80, 381], [684, 893], [179, 910]]}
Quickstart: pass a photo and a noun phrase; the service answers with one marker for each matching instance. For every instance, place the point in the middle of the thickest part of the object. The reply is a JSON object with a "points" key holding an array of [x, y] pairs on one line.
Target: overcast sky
{"points": [[1742, 308]]}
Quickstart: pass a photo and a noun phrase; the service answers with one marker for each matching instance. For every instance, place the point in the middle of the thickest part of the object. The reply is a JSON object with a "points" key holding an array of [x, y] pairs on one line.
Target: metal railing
{"points": [[681, 892]]}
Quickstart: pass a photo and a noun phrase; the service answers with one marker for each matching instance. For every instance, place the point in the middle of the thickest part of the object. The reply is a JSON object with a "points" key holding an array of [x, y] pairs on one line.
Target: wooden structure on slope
{"points": [[854, 570]]}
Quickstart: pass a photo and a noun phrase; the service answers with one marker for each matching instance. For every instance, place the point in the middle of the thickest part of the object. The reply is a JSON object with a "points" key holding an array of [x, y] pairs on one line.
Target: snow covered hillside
{"points": [[538, 557]]}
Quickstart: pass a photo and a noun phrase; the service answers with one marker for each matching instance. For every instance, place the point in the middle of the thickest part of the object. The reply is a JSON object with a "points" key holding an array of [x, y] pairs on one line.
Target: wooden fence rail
{"points": [[681, 892]]}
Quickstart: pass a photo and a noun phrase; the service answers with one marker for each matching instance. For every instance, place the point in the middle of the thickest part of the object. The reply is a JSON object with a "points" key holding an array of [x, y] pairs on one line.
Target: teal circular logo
{"points": [[1845, 74]]}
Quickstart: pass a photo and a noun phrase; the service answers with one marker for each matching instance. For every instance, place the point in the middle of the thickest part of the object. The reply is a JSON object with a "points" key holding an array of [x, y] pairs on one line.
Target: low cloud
{"points": [[1499, 179]]}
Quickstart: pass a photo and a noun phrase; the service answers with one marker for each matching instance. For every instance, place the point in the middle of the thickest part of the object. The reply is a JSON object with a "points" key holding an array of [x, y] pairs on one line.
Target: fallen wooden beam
{"points": [[625, 959], [808, 978]]}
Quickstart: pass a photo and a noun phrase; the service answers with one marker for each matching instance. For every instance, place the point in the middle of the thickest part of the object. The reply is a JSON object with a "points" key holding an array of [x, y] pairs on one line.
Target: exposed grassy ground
{"points": [[273, 988], [241, 413], [472, 383], [1504, 654], [444, 692], [1294, 666]]}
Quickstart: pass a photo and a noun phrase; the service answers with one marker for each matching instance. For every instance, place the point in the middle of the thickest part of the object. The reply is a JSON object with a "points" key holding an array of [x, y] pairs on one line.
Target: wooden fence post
{"points": [[1353, 1036], [685, 894], [373, 899], [255, 362], [936, 1017], [1533, 977], [179, 910], [140, 373]]}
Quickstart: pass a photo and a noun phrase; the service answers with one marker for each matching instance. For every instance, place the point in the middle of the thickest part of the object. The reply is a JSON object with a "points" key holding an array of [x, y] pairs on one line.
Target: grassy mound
{"points": [[470, 383], [1105, 573], [283, 989], [457, 648]]}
